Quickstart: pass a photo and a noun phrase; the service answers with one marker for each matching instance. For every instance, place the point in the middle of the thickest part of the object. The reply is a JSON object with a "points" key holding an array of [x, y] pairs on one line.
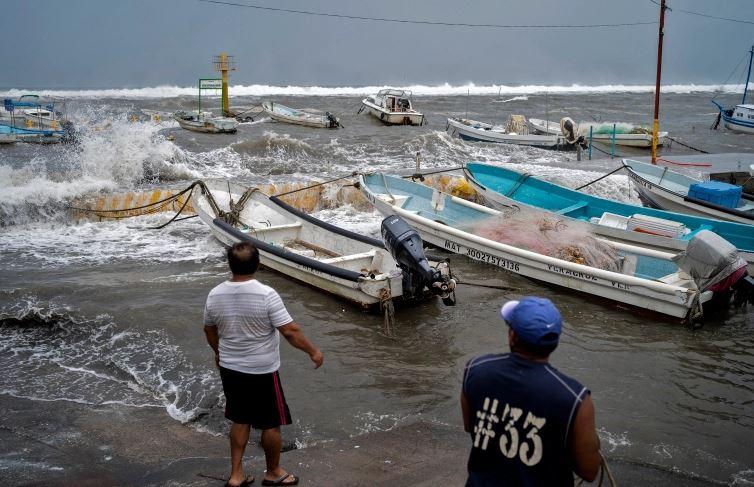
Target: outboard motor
{"points": [[715, 266], [570, 132], [407, 248], [333, 120]]}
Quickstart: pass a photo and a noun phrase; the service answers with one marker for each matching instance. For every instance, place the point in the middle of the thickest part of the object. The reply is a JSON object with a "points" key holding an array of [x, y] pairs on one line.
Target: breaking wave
{"points": [[445, 89]]}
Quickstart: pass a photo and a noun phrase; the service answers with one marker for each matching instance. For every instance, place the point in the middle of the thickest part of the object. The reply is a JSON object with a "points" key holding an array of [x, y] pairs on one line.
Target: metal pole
{"points": [[612, 145], [656, 120], [547, 114], [199, 114], [748, 75], [590, 142], [224, 71]]}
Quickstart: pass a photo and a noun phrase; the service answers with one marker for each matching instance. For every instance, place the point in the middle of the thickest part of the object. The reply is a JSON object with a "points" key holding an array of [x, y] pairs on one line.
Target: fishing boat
{"points": [[503, 189], [660, 187], [626, 134], [31, 118], [200, 121], [282, 113], [392, 107], [349, 265], [741, 117], [624, 273], [515, 132]]}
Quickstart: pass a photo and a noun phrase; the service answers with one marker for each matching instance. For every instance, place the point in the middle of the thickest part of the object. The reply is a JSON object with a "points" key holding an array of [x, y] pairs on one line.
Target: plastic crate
{"points": [[716, 192]]}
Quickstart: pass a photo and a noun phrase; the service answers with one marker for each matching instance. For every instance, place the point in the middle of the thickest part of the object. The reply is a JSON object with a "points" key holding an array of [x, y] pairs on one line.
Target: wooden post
{"points": [[656, 120]]}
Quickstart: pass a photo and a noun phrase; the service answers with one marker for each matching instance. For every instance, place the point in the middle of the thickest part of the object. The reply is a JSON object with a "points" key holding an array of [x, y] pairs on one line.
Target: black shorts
{"points": [[255, 399]]}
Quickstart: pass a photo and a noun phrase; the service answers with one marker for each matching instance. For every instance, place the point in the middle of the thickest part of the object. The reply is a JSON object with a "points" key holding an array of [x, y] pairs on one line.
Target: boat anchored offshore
{"points": [[205, 122], [282, 113], [349, 265], [392, 107], [660, 187], [741, 117], [625, 134], [503, 189], [514, 132], [551, 252]]}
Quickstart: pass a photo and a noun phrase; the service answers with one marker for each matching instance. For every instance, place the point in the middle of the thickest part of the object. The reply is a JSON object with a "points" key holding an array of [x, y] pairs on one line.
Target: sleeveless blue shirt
{"points": [[521, 415]]}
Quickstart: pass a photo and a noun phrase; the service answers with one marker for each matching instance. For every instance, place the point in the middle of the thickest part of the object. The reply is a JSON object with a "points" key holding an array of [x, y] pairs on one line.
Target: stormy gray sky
{"points": [[137, 43]]}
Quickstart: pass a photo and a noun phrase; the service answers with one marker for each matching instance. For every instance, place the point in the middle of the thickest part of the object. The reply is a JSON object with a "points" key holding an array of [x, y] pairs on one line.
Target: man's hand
{"points": [[317, 358], [217, 360]]}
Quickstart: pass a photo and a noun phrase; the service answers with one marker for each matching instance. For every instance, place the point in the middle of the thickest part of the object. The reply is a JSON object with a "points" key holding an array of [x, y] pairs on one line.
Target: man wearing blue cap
{"points": [[530, 424]]}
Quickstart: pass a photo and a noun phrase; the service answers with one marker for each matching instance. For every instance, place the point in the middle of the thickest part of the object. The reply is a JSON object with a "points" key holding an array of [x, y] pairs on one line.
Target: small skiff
{"points": [[662, 188], [392, 107], [601, 132], [644, 278], [475, 131], [346, 264], [205, 122], [282, 113], [661, 230]]}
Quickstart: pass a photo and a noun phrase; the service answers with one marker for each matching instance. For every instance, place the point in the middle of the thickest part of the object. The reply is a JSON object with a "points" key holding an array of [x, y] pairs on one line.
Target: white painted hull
{"points": [[628, 140], [656, 296], [207, 126], [659, 197], [731, 125], [393, 118], [467, 132], [646, 240], [365, 292], [305, 119]]}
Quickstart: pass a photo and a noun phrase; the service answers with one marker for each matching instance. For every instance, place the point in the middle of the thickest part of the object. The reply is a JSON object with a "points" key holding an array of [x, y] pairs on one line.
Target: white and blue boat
{"points": [[503, 188], [660, 187], [741, 117], [31, 118], [640, 277]]}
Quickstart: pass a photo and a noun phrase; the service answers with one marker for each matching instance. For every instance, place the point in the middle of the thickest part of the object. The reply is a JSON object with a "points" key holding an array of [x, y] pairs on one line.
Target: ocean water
{"points": [[101, 312]]}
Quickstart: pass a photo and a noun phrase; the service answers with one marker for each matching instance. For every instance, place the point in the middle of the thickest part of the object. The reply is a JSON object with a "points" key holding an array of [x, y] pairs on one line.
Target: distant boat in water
{"points": [[392, 107], [32, 118], [741, 117], [282, 113], [514, 132], [205, 122], [625, 134]]}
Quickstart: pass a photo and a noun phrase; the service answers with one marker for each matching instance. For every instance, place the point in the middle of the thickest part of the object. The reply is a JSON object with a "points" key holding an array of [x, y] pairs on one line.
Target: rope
{"points": [[185, 203], [150, 205], [694, 164], [686, 145], [422, 174], [606, 153], [599, 178], [501, 287], [604, 471], [388, 310], [354, 174]]}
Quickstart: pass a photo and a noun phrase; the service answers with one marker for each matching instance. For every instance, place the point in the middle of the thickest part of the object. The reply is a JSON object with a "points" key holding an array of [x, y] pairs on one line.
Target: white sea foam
{"points": [[445, 89]]}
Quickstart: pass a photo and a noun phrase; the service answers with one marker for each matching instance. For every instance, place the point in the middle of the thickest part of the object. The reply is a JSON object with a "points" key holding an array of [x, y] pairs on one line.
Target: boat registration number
{"points": [[482, 256]]}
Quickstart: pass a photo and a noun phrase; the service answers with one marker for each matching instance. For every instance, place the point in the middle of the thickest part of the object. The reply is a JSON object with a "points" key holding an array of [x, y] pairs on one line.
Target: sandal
{"points": [[279, 481], [246, 482]]}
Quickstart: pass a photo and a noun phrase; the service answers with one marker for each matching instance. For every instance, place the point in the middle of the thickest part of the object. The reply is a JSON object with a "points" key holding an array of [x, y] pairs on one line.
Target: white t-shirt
{"points": [[247, 315]]}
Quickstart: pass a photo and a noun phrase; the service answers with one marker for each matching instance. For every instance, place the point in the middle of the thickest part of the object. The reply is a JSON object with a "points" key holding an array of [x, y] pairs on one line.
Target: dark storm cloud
{"points": [[132, 43]]}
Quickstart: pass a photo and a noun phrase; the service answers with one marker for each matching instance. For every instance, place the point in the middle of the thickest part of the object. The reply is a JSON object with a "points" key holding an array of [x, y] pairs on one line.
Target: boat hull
{"points": [[305, 119], [393, 118], [466, 132], [204, 127], [628, 140], [494, 197], [660, 197], [659, 297]]}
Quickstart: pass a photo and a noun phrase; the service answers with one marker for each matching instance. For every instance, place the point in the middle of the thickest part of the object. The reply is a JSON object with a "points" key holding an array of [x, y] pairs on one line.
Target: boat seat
{"points": [[345, 258], [569, 209], [438, 218]]}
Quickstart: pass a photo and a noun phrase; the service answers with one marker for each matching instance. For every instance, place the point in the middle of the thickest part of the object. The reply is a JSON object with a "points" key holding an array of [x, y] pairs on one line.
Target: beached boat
{"points": [[514, 132], [353, 266], [392, 107], [625, 134], [34, 119], [628, 274], [660, 187], [661, 230], [204, 122], [741, 117], [282, 113]]}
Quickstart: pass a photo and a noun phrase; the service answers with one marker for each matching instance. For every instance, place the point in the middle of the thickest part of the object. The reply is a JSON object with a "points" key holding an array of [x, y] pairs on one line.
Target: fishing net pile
{"points": [[548, 235], [620, 128]]}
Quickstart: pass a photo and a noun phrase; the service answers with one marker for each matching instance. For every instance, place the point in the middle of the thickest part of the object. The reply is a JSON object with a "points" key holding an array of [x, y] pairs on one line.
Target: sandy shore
{"points": [[64, 443]]}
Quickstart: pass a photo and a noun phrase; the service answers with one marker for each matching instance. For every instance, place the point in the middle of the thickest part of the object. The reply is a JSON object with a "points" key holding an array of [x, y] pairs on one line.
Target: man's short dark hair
{"points": [[243, 258]]}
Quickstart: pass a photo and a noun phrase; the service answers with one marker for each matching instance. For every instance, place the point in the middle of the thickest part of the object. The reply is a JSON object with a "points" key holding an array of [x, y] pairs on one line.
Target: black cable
{"points": [[426, 22], [686, 145], [599, 178]]}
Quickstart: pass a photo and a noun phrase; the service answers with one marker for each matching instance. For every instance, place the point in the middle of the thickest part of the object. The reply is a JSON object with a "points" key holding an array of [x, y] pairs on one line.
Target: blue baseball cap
{"points": [[536, 321]]}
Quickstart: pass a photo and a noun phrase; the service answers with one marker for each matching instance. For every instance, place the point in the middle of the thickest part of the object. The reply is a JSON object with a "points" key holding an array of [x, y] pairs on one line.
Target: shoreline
{"points": [[120, 445]]}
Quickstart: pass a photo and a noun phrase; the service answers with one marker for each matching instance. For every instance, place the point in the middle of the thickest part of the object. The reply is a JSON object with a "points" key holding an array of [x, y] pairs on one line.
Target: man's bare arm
{"points": [[213, 339], [585, 444], [292, 332], [465, 412]]}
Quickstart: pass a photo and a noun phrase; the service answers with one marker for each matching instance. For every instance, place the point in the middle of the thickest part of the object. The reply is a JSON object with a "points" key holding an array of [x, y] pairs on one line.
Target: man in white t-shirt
{"points": [[242, 319]]}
